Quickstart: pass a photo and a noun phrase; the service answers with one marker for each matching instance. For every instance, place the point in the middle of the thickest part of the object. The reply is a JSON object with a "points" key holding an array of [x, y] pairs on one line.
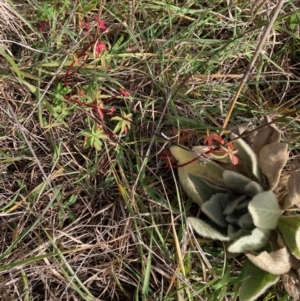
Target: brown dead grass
{"points": [[105, 236]]}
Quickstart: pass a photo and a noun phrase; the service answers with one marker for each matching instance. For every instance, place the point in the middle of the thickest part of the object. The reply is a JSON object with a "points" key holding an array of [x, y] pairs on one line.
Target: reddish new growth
{"points": [[225, 149], [86, 26], [209, 140], [231, 151], [95, 44], [99, 108], [43, 25], [99, 47], [124, 93], [166, 156], [101, 24], [103, 111], [184, 135], [221, 151]]}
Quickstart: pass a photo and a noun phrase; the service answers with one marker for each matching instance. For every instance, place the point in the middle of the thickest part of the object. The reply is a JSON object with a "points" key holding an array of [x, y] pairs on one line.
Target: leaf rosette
{"points": [[240, 205], [237, 200]]}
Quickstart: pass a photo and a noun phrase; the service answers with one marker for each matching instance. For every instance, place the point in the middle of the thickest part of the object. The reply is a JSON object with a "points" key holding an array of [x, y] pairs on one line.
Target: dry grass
{"points": [[82, 224]]}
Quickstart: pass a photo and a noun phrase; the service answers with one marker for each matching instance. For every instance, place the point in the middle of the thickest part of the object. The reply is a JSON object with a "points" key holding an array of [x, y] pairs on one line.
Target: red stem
{"points": [[82, 53]]}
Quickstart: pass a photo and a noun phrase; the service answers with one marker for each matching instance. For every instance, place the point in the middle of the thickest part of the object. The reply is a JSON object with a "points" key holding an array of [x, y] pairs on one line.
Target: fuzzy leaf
{"points": [[243, 205], [253, 188], [255, 241], [238, 181], [294, 190], [248, 158], [206, 230], [265, 135], [189, 186], [290, 283], [255, 281], [272, 158], [233, 218], [202, 167], [265, 210], [213, 208], [239, 129], [235, 180], [246, 222], [235, 232], [205, 189], [289, 227], [234, 204], [182, 155], [277, 262], [198, 189]]}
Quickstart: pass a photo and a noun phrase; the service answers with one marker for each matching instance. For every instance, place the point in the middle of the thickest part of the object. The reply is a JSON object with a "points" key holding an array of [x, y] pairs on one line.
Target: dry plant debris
{"points": [[88, 211]]}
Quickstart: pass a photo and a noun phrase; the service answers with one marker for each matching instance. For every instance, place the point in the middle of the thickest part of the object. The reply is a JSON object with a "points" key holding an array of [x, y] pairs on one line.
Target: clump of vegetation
{"points": [[91, 93], [240, 207]]}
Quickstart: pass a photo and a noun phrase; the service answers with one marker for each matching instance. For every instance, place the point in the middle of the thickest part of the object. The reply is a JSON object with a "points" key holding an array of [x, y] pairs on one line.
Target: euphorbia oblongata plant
{"points": [[238, 188]]}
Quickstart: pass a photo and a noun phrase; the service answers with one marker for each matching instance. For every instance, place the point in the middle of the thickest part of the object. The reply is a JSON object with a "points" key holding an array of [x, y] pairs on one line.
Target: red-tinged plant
{"points": [[43, 25], [101, 24], [104, 111], [93, 43], [99, 47], [123, 119], [95, 137], [225, 152], [230, 151], [124, 93], [211, 138], [222, 151], [86, 25], [184, 136], [124, 123], [167, 157]]}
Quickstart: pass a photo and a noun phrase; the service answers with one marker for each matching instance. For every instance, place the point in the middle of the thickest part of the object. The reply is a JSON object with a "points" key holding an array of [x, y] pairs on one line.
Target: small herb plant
{"points": [[94, 137], [90, 95]]}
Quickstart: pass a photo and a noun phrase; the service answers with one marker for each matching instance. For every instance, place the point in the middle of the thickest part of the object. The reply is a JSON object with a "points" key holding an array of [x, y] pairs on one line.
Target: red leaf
{"points": [[86, 26], [100, 113], [124, 93], [209, 140], [100, 23], [99, 47]]}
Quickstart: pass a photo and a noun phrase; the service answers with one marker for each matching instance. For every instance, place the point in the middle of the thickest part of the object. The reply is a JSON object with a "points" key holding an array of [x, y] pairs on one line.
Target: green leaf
{"points": [[246, 222], [253, 242], [190, 187], [11, 62], [289, 227], [206, 230], [16, 69], [202, 167], [255, 282], [235, 180], [238, 181], [213, 208], [203, 188], [265, 210], [248, 158], [232, 206], [253, 188], [235, 232], [277, 262]]}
